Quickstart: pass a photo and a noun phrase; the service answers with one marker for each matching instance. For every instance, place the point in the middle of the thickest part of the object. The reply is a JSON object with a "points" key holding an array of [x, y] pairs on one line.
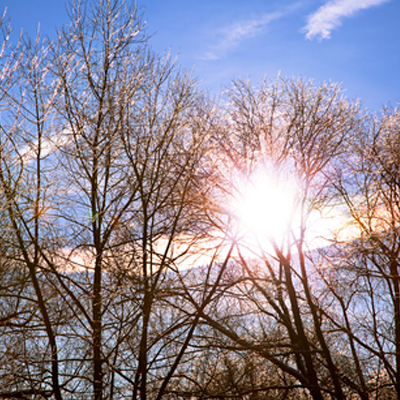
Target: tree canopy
{"points": [[160, 244]]}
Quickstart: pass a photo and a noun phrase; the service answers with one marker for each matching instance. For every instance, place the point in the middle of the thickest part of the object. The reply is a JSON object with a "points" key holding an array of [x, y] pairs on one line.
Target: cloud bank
{"points": [[330, 16]]}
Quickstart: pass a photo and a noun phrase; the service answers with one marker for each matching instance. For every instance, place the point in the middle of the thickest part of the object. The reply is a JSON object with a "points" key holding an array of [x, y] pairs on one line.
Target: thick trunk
{"points": [[142, 368], [50, 334], [304, 347], [97, 331], [396, 284]]}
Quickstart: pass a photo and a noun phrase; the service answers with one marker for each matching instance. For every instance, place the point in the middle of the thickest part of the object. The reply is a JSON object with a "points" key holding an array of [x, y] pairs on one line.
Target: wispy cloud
{"points": [[330, 15], [231, 36]]}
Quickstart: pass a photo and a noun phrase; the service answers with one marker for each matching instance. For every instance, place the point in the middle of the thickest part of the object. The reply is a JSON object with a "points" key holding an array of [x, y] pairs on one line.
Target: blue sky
{"points": [[353, 42]]}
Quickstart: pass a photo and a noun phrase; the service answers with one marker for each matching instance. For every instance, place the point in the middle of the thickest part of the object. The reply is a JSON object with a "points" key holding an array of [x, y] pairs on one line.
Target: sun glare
{"points": [[265, 204], [266, 208]]}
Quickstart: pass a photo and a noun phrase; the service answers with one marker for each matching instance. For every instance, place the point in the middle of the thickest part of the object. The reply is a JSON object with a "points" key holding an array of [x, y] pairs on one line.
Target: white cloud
{"points": [[330, 15], [231, 36]]}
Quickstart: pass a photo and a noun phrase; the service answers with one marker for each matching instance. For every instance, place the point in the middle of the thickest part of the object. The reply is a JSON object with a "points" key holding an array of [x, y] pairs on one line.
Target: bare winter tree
{"points": [[126, 268], [368, 185], [101, 177], [275, 297], [25, 182], [134, 137]]}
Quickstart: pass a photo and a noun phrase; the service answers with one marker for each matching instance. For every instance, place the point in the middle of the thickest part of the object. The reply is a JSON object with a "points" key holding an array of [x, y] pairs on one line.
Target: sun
{"points": [[265, 204], [267, 207]]}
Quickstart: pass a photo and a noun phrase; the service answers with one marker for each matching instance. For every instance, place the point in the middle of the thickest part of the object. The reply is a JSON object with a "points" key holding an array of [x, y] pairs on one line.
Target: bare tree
{"points": [[133, 139], [369, 187], [126, 271], [25, 184], [101, 175], [297, 131]]}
